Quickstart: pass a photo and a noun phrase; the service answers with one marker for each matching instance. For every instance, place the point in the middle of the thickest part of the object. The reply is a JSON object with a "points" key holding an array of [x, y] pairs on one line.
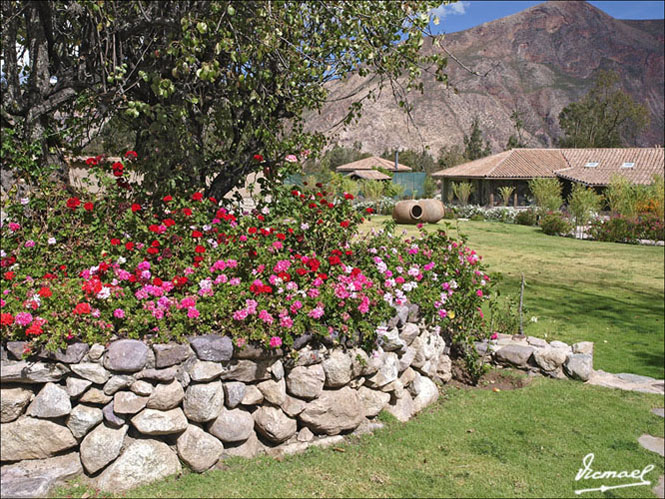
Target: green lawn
{"points": [[608, 293], [472, 443]]}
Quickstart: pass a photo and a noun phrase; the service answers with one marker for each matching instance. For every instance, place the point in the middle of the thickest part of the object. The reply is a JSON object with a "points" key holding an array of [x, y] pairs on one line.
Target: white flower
{"points": [[2, 253], [304, 226], [25, 200], [534, 319], [265, 210], [207, 227], [51, 240], [121, 260], [104, 293]]}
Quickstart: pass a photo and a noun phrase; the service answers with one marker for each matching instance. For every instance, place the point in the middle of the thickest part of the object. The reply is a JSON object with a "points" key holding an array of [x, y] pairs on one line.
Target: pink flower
{"points": [[192, 313], [144, 265], [286, 322], [291, 158], [267, 318], [187, 302], [494, 336], [275, 342], [295, 306], [240, 315], [240, 342], [480, 293], [317, 312], [14, 226], [29, 243], [23, 318]]}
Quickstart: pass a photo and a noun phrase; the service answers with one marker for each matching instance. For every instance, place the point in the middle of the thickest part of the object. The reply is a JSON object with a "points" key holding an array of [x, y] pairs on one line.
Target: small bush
{"points": [[622, 229], [477, 217], [555, 224], [526, 217]]}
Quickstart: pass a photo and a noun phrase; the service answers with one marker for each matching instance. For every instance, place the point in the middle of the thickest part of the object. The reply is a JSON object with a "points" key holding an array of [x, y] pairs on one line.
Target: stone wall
{"points": [[129, 413]]}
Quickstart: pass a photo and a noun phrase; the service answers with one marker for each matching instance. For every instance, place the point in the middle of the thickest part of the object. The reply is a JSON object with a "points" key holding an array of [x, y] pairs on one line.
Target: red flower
{"points": [[9, 275], [81, 309], [34, 330], [157, 281], [212, 200], [166, 199], [295, 193], [348, 196], [251, 230], [153, 228], [117, 173], [258, 157], [91, 161], [187, 212], [284, 276], [301, 271], [153, 251], [197, 196], [334, 260], [323, 276], [313, 264], [129, 246], [196, 234], [73, 203], [88, 206], [369, 210], [344, 224], [131, 154], [281, 236], [136, 207], [312, 205], [45, 292], [6, 319], [179, 281], [169, 222], [200, 249], [155, 244], [261, 217]]}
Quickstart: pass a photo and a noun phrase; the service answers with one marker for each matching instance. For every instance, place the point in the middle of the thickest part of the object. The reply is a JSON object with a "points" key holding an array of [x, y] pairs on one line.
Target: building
{"points": [[363, 167], [591, 167]]}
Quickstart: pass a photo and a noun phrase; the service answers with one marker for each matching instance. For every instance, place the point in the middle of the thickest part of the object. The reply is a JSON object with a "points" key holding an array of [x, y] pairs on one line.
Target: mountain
{"points": [[536, 61]]}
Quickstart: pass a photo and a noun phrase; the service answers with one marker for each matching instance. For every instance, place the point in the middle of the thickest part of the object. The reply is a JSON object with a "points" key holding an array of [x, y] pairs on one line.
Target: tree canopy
{"points": [[473, 143], [212, 90], [605, 117]]}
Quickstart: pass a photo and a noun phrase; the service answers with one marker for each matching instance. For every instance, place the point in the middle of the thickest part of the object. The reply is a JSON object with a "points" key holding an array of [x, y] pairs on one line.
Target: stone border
{"points": [[128, 413]]}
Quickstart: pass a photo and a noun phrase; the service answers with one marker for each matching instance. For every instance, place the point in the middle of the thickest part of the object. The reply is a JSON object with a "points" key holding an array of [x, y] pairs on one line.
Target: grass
{"points": [[608, 293], [473, 443]]}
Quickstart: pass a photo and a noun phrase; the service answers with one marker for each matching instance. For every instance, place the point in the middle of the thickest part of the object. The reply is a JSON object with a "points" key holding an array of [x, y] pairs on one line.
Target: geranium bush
{"points": [[93, 267]]}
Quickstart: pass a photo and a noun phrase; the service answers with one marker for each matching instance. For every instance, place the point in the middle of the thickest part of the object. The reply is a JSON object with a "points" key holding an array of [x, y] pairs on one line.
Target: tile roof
{"points": [[565, 163], [370, 163], [370, 175], [647, 163], [516, 163]]}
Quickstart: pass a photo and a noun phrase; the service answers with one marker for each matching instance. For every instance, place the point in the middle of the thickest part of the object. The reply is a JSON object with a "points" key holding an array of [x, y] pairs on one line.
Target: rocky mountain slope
{"points": [[537, 61]]}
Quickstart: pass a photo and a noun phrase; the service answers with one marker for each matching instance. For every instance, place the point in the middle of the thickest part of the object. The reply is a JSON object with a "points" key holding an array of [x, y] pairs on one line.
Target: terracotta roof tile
{"points": [[370, 163], [370, 175]]}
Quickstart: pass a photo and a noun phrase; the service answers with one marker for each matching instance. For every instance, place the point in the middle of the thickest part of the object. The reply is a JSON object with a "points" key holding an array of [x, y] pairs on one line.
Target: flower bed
{"points": [[83, 268]]}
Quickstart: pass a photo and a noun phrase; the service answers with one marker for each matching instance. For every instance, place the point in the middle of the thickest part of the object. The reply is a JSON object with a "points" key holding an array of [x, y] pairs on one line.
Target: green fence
{"points": [[413, 182]]}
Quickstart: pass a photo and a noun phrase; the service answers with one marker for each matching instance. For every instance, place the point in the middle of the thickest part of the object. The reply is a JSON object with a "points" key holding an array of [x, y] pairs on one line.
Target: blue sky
{"points": [[466, 14]]}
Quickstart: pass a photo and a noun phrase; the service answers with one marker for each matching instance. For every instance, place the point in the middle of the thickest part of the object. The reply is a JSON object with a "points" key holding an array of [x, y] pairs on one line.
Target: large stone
{"points": [[445, 369], [337, 368], [31, 372], [549, 359], [16, 348], [112, 419], [12, 402], [101, 446], [31, 438], [359, 363], [333, 412], [514, 355], [166, 396], [428, 393], [159, 375], [653, 444], [128, 403], [212, 347], [144, 461], [253, 351], [273, 424], [390, 340], [52, 401], [305, 435], [76, 386], [407, 376], [154, 422], [409, 333], [73, 354], [142, 388], [91, 371], [247, 371], [38, 477], [253, 396], [83, 418], [126, 356], [306, 382], [387, 373], [117, 382], [293, 406], [233, 425], [95, 396], [308, 356], [250, 448], [234, 392], [201, 370], [536, 342], [204, 402], [273, 391], [170, 354], [402, 314], [560, 344], [579, 366], [198, 449], [402, 408], [372, 401], [427, 346]]}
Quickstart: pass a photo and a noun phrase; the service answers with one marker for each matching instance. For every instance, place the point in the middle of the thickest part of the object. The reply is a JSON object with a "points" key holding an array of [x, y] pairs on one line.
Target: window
{"points": [[591, 164], [627, 165]]}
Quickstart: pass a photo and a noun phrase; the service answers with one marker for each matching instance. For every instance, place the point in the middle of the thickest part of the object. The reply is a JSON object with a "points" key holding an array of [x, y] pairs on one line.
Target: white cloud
{"points": [[453, 9]]}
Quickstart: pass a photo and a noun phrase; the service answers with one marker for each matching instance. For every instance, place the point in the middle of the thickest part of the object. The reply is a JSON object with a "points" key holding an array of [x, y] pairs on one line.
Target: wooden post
{"points": [[491, 199], [515, 198]]}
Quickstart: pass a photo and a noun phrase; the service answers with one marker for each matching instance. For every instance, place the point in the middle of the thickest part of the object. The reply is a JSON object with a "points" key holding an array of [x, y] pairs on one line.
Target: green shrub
{"points": [[555, 224], [527, 217], [546, 193], [620, 229], [477, 217]]}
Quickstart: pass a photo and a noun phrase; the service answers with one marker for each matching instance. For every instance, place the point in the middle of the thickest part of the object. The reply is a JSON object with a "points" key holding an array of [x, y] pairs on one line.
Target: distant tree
{"points": [[473, 143], [450, 156], [516, 140], [336, 156], [582, 203], [605, 117], [546, 193]]}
